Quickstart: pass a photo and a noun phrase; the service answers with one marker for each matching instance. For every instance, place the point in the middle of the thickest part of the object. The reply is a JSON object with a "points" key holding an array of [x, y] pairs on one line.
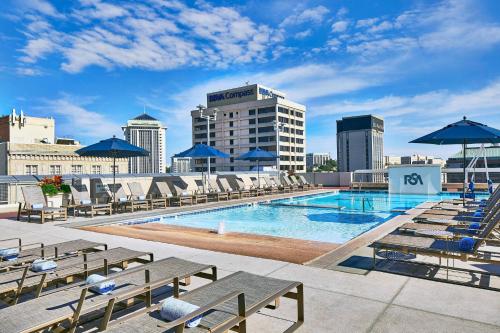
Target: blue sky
{"points": [[94, 64]]}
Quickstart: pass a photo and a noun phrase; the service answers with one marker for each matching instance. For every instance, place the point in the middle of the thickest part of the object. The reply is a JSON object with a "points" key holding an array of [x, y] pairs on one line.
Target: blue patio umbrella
{"points": [[462, 132], [114, 148], [258, 155], [200, 150]]}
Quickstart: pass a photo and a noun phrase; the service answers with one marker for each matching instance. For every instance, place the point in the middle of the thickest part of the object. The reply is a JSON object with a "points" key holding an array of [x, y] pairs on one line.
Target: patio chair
{"points": [[244, 192], [233, 194], [125, 202], [304, 181], [175, 199], [289, 183], [72, 305], [30, 252], [485, 205], [137, 192], [224, 304], [268, 184], [195, 198], [198, 192], [215, 191], [20, 281], [295, 181], [249, 185], [281, 186], [81, 201], [35, 203]]}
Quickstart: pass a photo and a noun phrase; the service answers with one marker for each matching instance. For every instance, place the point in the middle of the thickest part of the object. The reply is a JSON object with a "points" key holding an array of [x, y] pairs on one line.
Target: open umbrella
{"points": [[462, 132], [258, 155], [200, 150], [115, 148]]}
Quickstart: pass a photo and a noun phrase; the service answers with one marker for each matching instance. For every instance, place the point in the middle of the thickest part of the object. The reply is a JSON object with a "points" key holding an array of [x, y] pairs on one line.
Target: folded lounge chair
{"points": [[281, 186], [137, 192], [125, 202], [81, 201], [35, 203], [295, 181], [305, 182], [249, 185], [244, 192], [22, 280], [195, 198], [269, 185], [292, 185], [197, 192], [224, 304], [233, 194], [178, 200], [215, 192], [73, 304]]}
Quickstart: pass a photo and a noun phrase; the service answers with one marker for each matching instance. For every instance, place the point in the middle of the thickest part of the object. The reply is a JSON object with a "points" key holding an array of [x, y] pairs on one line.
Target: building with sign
{"points": [[249, 117], [360, 144], [148, 133], [28, 146]]}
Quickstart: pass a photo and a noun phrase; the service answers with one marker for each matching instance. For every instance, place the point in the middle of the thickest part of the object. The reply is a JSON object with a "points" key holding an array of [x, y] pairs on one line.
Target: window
{"points": [[251, 112], [200, 136], [231, 133], [252, 140], [117, 169], [231, 142], [77, 169], [251, 131], [231, 150], [299, 123], [200, 127], [299, 114], [269, 109], [266, 120], [291, 113], [299, 132], [266, 129], [282, 110], [96, 169], [251, 121], [32, 170], [212, 135], [283, 120], [267, 138], [55, 170], [231, 115], [212, 126], [231, 159], [284, 139], [300, 141], [231, 124]]}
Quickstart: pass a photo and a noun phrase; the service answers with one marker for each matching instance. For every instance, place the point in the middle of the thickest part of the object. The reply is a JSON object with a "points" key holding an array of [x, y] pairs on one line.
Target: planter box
{"points": [[58, 200]]}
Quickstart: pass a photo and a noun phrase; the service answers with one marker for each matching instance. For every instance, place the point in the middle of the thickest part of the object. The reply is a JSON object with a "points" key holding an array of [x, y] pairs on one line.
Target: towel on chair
{"points": [[9, 254], [37, 206], [142, 197], [101, 286], [42, 265], [85, 202], [173, 308]]}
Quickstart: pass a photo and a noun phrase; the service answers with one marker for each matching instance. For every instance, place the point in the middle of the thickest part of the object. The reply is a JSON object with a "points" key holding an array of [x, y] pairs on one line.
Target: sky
{"points": [[94, 64]]}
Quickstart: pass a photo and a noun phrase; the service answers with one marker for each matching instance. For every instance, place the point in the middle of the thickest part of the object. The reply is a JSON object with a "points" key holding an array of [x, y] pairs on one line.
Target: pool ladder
{"points": [[364, 199]]}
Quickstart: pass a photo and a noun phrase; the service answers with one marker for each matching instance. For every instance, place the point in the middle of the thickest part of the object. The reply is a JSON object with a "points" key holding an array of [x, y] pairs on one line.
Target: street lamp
{"points": [[278, 127], [209, 118]]}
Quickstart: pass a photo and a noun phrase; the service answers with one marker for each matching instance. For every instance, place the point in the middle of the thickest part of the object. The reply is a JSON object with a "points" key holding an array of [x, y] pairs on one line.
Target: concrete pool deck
{"points": [[335, 301]]}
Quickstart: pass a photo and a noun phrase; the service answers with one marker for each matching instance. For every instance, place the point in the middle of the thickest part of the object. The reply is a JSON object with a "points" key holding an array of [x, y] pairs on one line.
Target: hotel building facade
{"points": [[360, 144], [148, 133], [248, 117]]}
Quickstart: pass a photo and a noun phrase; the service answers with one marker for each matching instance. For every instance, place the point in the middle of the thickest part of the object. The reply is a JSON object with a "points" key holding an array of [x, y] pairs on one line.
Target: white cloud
{"points": [[41, 6], [303, 34], [340, 26], [366, 22], [309, 15], [159, 35]]}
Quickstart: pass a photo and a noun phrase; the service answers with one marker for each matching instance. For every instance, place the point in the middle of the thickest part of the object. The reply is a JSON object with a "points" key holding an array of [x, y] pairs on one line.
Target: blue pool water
{"points": [[361, 211]]}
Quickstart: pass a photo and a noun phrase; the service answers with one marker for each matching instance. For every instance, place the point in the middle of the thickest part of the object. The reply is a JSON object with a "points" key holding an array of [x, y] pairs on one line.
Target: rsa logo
{"points": [[413, 179]]}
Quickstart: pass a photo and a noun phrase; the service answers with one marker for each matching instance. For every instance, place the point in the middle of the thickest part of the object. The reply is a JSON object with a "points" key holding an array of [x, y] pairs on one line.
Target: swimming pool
{"points": [[329, 217]]}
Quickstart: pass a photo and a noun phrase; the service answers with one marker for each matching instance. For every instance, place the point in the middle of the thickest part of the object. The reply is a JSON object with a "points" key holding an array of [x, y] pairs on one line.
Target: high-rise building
{"points": [[314, 160], [28, 146], [421, 159], [247, 118], [148, 133], [181, 164], [360, 143]]}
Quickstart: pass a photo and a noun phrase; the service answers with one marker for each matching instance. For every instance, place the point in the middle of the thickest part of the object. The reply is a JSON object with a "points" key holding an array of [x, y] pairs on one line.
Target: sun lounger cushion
{"points": [[85, 202], [466, 244], [142, 197], [184, 193], [122, 199], [474, 227], [42, 265], [37, 206], [9, 254], [173, 308], [102, 285]]}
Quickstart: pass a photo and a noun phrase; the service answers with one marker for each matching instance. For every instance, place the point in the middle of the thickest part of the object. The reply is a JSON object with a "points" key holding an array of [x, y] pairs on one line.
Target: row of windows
{"points": [[293, 140], [290, 112], [76, 169]]}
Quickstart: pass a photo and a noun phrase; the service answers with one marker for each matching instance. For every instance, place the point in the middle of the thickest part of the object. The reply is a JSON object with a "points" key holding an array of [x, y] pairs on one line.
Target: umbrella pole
{"points": [[465, 175], [114, 182], [258, 173]]}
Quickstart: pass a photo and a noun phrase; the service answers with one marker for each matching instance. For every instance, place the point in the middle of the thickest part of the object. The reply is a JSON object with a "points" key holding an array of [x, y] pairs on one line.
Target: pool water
{"points": [[330, 217]]}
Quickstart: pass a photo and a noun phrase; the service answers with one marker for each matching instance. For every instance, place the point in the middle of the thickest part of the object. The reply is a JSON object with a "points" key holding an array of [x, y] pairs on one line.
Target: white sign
{"points": [[415, 179]]}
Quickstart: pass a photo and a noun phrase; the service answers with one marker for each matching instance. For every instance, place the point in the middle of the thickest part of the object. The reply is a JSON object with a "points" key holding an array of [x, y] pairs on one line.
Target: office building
{"points": [[29, 147], [246, 118], [150, 134], [314, 160], [360, 144], [455, 162], [421, 159], [181, 164], [392, 160]]}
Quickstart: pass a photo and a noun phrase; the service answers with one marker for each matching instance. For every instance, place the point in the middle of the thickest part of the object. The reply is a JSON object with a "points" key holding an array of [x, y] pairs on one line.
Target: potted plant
{"points": [[56, 192]]}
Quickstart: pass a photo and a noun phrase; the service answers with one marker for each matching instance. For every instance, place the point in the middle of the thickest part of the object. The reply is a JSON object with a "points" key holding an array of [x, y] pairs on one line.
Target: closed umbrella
{"points": [[258, 155], [114, 148], [462, 132], [200, 150]]}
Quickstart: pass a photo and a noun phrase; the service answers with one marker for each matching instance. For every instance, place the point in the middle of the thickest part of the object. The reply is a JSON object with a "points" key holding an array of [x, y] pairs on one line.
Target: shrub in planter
{"points": [[49, 189], [53, 186]]}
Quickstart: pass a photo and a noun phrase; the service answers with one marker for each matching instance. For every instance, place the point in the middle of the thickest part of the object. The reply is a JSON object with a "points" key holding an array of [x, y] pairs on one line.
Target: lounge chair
{"points": [[269, 185], [81, 201], [198, 192], [30, 252], [74, 304], [281, 186], [441, 248], [224, 304], [123, 201], [304, 181], [244, 192], [233, 194], [175, 199], [19, 281], [292, 185], [195, 197], [295, 180], [250, 186], [137, 193], [215, 192], [484, 205], [35, 203]]}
